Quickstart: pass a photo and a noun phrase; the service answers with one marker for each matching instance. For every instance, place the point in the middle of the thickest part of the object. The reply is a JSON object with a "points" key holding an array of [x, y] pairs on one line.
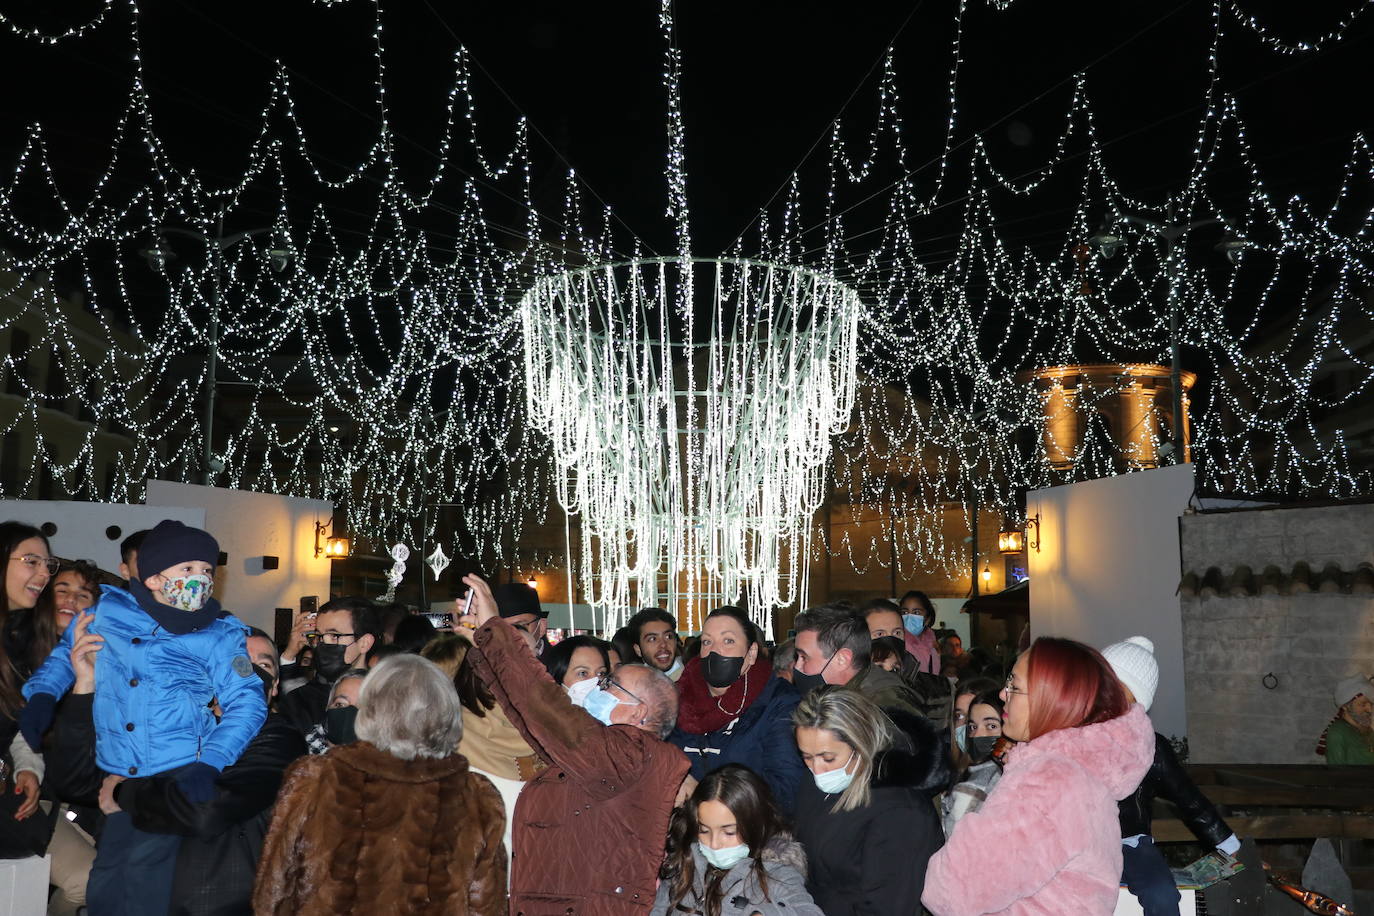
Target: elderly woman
{"points": [[393, 823]]}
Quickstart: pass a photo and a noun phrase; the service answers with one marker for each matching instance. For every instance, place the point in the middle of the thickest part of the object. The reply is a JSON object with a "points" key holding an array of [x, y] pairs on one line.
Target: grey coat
{"points": [[784, 862]]}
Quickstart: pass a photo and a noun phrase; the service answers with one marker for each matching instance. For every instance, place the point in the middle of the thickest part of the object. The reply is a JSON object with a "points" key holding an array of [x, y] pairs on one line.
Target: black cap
{"points": [[170, 543], [516, 598]]}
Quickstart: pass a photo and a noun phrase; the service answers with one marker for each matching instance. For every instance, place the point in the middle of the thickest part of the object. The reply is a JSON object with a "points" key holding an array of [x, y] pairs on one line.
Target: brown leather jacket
{"points": [[589, 831], [361, 831]]}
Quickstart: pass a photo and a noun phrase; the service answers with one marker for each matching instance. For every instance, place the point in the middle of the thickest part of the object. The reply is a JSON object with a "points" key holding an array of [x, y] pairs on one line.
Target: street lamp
{"points": [[1109, 240], [158, 255]]}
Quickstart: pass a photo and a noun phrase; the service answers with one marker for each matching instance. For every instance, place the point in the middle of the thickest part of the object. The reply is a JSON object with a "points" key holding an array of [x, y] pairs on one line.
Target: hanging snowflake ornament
{"points": [[438, 561], [400, 553]]}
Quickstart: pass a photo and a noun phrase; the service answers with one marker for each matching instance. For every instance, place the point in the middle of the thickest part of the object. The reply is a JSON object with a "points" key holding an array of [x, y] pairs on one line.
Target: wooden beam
{"points": [[1278, 827]]}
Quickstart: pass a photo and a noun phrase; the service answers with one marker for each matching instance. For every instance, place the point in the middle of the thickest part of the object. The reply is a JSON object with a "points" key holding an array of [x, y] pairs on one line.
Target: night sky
{"points": [[762, 82]]}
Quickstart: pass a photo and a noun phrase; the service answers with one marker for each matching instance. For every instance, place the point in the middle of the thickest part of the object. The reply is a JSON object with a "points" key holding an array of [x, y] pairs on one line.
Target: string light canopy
{"points": [[383, 367], [694, 462]]}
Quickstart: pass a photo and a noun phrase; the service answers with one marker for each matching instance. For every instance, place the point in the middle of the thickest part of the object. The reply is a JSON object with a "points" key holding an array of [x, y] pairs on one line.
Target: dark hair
{"points": [[366, 620], [623, 642], [450, 652], [757, 823], [751, 632], [838, 627], [383, 650], [880, 604], [881, 651], [389, 617], [557, 658], [925, 601], [413, 633], [648, 614], [129, 546], [976, 684], [22, 626]]}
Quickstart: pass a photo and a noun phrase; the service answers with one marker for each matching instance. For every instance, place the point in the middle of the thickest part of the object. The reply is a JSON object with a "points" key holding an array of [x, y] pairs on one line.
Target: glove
{"points": [[36, 719], [197, 782]]}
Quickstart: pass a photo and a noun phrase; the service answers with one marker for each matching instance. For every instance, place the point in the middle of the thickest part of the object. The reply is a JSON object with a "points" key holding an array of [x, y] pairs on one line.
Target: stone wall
{"points": [[1283, 592]]}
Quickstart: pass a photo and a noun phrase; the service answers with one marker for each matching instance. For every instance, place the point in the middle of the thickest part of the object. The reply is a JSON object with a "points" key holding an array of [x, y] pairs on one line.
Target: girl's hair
{"points": [[881, 652], [450, 652], [557, 658], [12, 534], [757, 822], [857, 721], [1071, 685], [991, 698]]}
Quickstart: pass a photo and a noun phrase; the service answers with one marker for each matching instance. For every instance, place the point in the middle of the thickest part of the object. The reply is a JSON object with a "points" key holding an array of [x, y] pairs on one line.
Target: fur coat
{"points": [[361, 831], [784, 862], [1050, 824]]}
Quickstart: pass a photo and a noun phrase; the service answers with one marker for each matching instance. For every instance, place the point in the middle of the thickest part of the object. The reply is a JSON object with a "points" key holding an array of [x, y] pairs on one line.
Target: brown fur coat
{"points": [[361, 831]]}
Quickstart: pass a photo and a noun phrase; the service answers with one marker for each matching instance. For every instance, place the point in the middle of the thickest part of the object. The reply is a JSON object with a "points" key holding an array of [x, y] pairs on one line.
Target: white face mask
{"points": [[726, 857], [836, 780], [579, 692]]}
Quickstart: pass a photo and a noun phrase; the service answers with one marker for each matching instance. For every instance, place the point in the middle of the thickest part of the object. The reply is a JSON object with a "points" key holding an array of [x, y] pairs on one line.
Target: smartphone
{"points": [[441, 621]]}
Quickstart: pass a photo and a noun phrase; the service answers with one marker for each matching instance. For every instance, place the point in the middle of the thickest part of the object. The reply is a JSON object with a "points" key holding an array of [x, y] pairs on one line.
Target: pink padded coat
{"points": [[1047, 841]]}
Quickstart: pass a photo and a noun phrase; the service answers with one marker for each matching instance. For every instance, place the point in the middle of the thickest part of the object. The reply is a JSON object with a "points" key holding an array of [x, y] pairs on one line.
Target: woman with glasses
{"points": [[29, 569], [864, 818], [1053, 816], [733, 708]]}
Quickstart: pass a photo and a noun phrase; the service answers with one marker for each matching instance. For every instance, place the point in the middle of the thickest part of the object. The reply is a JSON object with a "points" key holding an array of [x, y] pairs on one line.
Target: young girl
{"points": [[728, 853]]}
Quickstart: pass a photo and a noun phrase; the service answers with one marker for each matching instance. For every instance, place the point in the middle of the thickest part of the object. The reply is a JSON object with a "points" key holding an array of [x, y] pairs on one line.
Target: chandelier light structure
{"points": [[690, 404]]}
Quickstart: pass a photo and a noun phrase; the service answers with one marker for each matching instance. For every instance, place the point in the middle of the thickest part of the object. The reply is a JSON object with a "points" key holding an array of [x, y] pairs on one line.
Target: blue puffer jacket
{"points": [[761, 739], [153, 689]]}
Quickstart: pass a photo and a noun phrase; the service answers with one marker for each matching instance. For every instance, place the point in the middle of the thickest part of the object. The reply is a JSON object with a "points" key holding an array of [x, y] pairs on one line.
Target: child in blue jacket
{"points": [[168, 651]]}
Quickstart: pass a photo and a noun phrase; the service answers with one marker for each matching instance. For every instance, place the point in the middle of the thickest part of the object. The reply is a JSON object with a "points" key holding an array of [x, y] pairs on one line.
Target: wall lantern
{"points": [[1011, 541], [334, 546], [987, 573], [533, 583]]}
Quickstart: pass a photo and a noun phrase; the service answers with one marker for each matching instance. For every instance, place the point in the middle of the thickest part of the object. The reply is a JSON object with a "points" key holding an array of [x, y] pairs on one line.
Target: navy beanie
{"points": [[171, 543]]}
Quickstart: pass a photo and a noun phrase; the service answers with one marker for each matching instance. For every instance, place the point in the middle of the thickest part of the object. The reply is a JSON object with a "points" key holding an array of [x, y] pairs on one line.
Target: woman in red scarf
{"points": [[732, 709]]}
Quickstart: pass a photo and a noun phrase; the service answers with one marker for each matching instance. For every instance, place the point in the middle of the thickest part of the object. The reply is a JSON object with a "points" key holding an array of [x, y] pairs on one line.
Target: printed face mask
{"points": [[187, 593], [726, 857]]}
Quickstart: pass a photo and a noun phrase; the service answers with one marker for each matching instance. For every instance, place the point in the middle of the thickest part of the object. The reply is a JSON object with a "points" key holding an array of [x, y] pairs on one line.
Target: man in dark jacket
{"points": [[221, 839], [588, 831], [1144, 871], [346, 629]]}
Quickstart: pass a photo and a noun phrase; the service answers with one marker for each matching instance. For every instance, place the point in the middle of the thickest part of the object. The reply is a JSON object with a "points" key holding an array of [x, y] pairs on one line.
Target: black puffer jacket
{"points": [[1166, 779], [873, 860]]}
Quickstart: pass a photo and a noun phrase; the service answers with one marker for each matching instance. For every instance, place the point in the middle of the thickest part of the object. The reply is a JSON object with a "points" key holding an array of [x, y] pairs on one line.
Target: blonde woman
{"points": [[864, 818]]}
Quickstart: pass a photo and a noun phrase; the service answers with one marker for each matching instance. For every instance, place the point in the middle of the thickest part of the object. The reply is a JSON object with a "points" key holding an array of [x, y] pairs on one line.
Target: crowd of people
{"points": [[169, 759]]}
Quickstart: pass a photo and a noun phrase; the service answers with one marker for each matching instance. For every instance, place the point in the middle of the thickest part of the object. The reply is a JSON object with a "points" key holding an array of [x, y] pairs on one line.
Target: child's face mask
{"points": [[187, 593]]}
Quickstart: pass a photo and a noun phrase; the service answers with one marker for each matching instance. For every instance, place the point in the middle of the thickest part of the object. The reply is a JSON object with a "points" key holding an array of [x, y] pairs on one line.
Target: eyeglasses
{"points": [[1012, 690], [331, 639], [607, 681], [35, 562]]}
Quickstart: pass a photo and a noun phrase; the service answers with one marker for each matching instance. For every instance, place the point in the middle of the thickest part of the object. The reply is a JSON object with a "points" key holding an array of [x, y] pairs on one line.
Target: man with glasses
{"points": [[345, 630], [518, 605], [588, 830]]}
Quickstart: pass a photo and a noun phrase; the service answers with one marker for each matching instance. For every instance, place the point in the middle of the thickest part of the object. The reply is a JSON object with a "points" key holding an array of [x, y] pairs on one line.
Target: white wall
{"points": [[248, 527], [84, 529], [1108, 568]]}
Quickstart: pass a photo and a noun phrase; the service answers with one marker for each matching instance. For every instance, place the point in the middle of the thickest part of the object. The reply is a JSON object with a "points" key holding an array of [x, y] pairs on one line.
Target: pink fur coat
{"points": [[1047, 840]]}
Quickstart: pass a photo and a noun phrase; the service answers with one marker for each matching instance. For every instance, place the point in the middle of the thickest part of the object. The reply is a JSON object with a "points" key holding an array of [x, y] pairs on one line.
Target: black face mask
{"points": [[896, 643], [268, 681], [329, 662], [980, 748], [721, 671], [338, 724], [805, 683]]}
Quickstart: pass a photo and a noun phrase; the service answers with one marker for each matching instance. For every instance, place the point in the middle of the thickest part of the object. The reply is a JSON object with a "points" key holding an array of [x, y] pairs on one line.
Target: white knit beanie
{"points": [[1349, 688], [1133, 660]]}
